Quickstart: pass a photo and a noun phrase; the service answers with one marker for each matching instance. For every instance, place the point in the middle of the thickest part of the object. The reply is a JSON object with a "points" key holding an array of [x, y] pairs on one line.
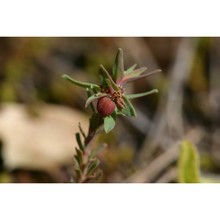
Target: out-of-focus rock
{"points": [[43, 142]]}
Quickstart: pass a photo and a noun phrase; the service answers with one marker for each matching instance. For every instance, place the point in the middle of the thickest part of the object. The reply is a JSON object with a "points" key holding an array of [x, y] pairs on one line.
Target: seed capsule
{"points": [[105, 106]]}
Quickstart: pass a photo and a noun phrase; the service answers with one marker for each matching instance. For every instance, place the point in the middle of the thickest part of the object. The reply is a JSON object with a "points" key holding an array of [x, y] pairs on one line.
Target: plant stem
{"points": [[96, 122]]}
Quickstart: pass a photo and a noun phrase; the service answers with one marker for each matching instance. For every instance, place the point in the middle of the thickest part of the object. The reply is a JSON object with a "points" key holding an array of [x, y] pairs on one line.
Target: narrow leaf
{"points": [[106, 75], [130, 69], [137, 72], [120, 113], [78, 156], [77, 160], [134, 96], [109, 124], [89, 94], [129, 110], [78, 139], [81, 130], [188, 164], [93, 97], [79, 83], [132, 78], [118, 67], [93, 166]]}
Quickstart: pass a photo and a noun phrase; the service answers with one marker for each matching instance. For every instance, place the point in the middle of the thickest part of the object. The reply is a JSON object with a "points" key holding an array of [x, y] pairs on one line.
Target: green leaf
{"points": [[118, 67], [79, 156], [133, 74], [137, 72], [93, 165], [106, 75], [119, 112], [137, 75], [77, 161], [129, 110], [78, 139], [114, 114], [79, 83], [109, 124], [93, 97], [89, 94], [130, 69], [134, 96], [188, 164], [81, 130]]}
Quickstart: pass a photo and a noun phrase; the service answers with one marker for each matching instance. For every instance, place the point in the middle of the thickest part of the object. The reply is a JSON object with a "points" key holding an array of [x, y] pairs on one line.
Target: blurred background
{"points": [[40, 112]]}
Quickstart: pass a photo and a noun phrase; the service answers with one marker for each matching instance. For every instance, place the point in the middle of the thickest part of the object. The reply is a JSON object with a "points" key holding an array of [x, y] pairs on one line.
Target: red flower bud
{"points": [[105, 106]]}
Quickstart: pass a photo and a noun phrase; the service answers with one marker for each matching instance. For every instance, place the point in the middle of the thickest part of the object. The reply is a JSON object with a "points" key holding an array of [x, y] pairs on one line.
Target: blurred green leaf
{"points": [[118, 67], [109, 124], [188, 164], [78, 156], [94, 97], [129, 110], [89, 94], [78, 139], [136, 74], [130, 69], [81, 130], [133, 96], [93, 165], [106, 76], [79, 83]]}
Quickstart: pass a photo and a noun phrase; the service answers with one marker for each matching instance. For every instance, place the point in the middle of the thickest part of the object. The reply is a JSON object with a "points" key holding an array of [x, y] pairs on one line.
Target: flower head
{"points": [[111, 94]]}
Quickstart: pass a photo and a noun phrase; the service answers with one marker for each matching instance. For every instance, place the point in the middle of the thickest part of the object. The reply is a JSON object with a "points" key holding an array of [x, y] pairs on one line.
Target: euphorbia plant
{"points": [[112, 101]]}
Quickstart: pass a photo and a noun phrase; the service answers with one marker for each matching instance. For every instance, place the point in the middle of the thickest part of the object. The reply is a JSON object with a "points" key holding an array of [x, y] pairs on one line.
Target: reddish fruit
{"points": [[105, 106]]}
